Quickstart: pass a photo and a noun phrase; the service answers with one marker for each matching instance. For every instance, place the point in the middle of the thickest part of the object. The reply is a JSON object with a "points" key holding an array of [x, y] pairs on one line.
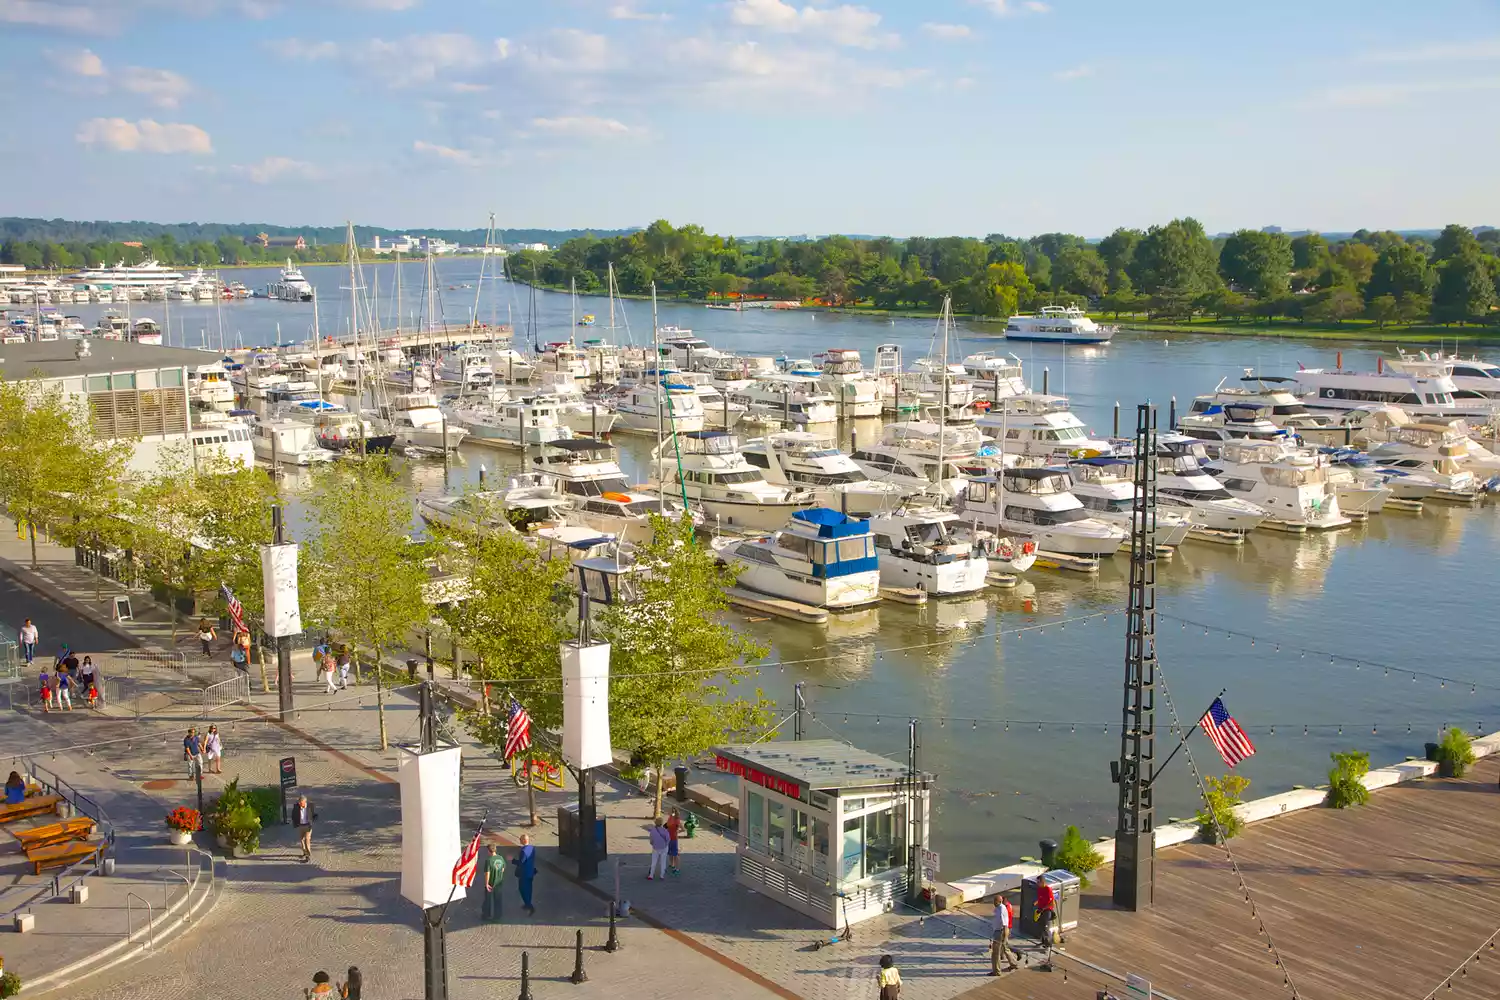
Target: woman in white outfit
{"points": [[328, 674], [213, 749]]}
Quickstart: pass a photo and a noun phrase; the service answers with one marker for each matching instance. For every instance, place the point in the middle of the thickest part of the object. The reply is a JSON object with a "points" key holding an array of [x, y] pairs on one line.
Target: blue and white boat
{"points": [[821, 558], [1059, 324]]}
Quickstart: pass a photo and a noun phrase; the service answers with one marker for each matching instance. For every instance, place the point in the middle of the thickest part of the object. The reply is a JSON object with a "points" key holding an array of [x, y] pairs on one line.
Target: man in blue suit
{"points": [[524, 864]]}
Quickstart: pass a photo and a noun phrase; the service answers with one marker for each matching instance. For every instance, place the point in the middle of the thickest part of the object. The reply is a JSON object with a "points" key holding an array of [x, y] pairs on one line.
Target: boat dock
{"points": [[423, 341]]}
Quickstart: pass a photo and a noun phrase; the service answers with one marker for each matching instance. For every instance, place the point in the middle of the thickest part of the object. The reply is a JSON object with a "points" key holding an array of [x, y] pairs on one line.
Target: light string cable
{"points": [[1224, 840], [1462, 971]]}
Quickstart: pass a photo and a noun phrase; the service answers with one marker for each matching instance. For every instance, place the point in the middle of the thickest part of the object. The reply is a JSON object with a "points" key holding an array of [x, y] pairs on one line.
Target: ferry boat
{"points": [[790, 398], [908, 455], [1106, 488], [1420, 394], [1472, 378], [810, 461], [292, 286], [1291, 486], [1182, 482], [708, 470], [1059, 324], [919, 547], [820, 558], [288, 442], [588, 472], [657, 403], [855, 391], [419, 423], [1039, 503], [1042, 426], [123, 276]]}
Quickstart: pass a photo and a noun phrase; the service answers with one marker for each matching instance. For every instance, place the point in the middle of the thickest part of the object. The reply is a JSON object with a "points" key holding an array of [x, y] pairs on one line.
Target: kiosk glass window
{"points": [[756, 825], [884, 842], [776, 827], [853, 866]]}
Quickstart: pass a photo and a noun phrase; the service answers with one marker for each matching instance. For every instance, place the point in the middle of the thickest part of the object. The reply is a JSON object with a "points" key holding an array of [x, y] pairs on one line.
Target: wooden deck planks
{"points": [[1375, 903]]}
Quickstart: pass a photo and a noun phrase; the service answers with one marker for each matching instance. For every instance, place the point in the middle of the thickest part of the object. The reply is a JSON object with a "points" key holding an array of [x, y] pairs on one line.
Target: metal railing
{"points": [[150, 920], [229, 691], [167, 874], [165, 659]]}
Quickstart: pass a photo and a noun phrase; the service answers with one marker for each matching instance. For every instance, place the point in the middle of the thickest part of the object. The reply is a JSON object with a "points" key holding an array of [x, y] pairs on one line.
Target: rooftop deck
{"points": [[1375, 903]]}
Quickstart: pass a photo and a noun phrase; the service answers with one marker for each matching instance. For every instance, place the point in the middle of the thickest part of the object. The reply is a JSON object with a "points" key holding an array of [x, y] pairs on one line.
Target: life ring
{"points": [[616, 497], [1328, 393], [1028, 548], [982, 405]]}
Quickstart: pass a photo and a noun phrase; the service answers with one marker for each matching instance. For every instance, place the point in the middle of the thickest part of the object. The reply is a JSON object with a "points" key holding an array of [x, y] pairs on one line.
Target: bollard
{"points": [[613, 944], [525, 977], [679, 790], [1045, 373], [1172, 414], [1117, 418], [578, 976]]}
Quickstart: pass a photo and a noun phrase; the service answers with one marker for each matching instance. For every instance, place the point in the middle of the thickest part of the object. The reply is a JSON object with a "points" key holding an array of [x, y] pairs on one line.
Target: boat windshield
{"points": [[717, 444], [1042, 485], [595, 487]]}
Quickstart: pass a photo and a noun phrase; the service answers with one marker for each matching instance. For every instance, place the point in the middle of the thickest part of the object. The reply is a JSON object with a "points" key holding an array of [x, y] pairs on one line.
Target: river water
{"points": [[1020, 726]]}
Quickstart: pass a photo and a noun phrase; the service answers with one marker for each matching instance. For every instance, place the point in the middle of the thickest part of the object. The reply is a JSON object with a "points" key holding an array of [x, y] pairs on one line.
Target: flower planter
{"points": [[181, 838]]}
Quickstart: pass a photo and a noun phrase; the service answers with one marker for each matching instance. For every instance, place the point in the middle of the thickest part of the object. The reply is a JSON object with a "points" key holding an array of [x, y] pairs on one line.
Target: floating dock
{"points": [[1002, 581], [904, 595], [1066, 563], [776, 607], [1217, 536]]}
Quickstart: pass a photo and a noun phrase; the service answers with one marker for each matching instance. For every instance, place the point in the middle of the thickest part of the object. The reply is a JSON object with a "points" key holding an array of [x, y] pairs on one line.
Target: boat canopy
{"points": [[1100, 461], [831, 523]]}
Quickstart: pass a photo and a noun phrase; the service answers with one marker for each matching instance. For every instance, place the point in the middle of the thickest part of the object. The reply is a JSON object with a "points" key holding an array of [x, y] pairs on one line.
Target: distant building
{"points": [[283, 242], [538, 247]]}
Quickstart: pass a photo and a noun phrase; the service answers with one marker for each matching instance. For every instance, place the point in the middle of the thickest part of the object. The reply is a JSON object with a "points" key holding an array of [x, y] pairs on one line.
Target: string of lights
{"points": [[1223, 841], [1462, 972]]}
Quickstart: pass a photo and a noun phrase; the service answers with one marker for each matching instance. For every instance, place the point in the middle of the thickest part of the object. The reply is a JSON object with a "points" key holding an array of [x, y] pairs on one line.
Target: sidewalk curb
{"points": [[33, 581]]}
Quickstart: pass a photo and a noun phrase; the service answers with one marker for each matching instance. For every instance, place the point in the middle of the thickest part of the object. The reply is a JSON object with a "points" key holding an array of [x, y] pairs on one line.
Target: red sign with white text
{"points": [[788, 788]]}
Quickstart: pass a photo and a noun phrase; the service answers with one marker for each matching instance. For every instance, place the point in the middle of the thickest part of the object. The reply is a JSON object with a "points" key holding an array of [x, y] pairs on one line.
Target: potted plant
{"points": [[1077, 856], [183, 822], [1454, 754], [10, 984], [1345, 787], [236, 821], [1219, 822]]}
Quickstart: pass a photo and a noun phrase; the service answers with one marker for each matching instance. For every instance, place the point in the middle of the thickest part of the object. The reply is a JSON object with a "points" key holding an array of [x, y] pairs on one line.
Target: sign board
{"points": [[122, 609], [931, 863], [1137, 988], [278, 565], [289, 772]]}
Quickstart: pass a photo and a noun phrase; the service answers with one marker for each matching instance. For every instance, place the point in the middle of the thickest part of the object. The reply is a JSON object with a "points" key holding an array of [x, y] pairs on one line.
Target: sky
{"points": [[902, 117]]}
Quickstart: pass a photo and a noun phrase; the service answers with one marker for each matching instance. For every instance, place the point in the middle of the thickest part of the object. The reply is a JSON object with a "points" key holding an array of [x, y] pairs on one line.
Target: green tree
{"points": [[1002, 289], [1401, 269], [1383, 309], [727, 285], [1081, 271], [785, 285], [1125, 301], [237, 504], [1412, 307], [166, 516], [1465, 291], [1357, 261], [366, 574], [1454, 241], [1117, 250], [1334, 305], [1310, 252], [673, 662], [1257, 262], [1175, 263]]}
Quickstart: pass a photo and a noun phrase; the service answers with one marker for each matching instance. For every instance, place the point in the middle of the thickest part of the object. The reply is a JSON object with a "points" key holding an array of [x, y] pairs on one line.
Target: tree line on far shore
{"points": [[1171, 271]]}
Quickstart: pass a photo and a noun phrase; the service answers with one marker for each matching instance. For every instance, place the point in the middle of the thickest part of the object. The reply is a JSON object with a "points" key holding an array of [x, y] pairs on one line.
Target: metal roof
{"points": [[58, 358], [819, 764]]}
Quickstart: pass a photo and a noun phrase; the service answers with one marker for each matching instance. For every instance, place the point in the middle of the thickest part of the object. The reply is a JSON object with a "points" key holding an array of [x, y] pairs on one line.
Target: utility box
{"points": [[1065, 886], [78, 893], [568, 833], [25, 922]]}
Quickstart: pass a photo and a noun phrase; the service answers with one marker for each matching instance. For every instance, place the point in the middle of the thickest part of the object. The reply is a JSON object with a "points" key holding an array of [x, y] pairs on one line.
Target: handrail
{"points": [[166, 892], [150, 920], [195, 849]]}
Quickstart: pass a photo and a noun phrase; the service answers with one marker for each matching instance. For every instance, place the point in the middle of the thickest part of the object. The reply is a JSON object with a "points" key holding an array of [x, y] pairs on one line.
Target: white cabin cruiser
{"points": [[508, 364], [588, 473], [909, 452], [810, 461], [791, 398], [855, 391], [707, 470], [223, 440], [1239, 421], [468, 367], [1038, 503], [418, 422], [511, 423], [526, 504], [288, 442], [659, 402], [292, 286], [1106, 488], [1283, 407], [1429, 459], [1182, 482], [1291, 486], [210, 388], [994, 376], [820, 558], [1042, 426], [1059, 324], [919, 547]]}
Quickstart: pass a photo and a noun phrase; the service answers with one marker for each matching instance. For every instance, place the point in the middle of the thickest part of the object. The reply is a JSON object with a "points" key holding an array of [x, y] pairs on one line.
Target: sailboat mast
{"points": [[661, 497], [947, 319], [611, 293], [167, 337], [572, 308], [484, 261], [398, 294], [359, 367]]}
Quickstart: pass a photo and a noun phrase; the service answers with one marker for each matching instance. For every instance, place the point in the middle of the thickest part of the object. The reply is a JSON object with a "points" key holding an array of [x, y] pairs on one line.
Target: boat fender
{"points": [[1028, 548]]}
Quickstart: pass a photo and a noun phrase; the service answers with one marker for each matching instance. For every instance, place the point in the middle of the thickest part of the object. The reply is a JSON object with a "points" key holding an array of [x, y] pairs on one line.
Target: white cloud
{"points": [[947, 32], [845, 25], [145, 136], [1005, 8], [1076, 73], [382, 4], [161, 87], [79, 62], [583, 125], [296, 48], [1385, 95], [275, 168], [53, 14], [1475, 51], [625, 12], [462, 157]]}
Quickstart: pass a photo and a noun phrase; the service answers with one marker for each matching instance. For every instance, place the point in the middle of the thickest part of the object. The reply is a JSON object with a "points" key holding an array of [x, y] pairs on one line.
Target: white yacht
{"points": [[582, 416], [820, 558], [1472, 378], [588, 473], [718, 412], [919, 547], [527, 504], [1361, 488], [563, 357], [222, 440], [1039, 503], [1041, 426], [209, 386], [1239, 421], [292, 286], [122, 276], [706, 469], [508, 365], [288, 442], [145, 331], [353, 433], [689, 352], [1421, 394], [468, 367], [855, 391], [909, 451], [1291, 486], [657, 402], [994, 376], [1106, 488], [810, 461], [793, 399], [1283, 407], [510, 423], [419, 423], [1431, 454], [1183, 483], [1061, 324]]}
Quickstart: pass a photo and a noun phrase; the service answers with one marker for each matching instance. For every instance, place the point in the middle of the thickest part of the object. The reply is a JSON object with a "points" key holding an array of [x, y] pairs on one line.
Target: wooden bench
{"points": [[62, 855], [78, 828], [33, 806]]}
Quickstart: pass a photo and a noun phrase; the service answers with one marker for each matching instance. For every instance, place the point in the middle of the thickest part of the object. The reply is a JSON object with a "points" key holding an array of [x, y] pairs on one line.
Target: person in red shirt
{"points": [[1046, 910], [673, 825]]}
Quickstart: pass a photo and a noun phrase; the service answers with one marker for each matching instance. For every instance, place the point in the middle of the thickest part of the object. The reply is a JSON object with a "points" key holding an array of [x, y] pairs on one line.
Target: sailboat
{"points": [[361, 429]]}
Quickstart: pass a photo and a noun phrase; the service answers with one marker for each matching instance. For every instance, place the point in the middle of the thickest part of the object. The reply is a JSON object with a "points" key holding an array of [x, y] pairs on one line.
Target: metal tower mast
{"points": [[1135, 832]]}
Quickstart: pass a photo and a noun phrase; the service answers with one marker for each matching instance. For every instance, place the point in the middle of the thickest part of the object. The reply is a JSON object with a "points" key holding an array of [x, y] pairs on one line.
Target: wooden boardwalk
{"points": [[1373, 903]]}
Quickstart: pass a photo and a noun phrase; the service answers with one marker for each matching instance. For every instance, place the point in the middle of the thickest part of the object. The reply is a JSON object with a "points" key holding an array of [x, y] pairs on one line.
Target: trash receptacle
{"points": [[679, 790], [1065, 886], [568, 833], [1049, 852]]}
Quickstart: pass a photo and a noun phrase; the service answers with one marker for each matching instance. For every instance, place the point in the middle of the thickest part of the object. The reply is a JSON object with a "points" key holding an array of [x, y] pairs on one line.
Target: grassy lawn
{"points": [[1357, 330]]}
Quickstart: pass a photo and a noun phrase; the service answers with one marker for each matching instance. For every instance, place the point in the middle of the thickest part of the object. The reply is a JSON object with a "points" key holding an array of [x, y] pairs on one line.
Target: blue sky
{"points": [[755, 116]]}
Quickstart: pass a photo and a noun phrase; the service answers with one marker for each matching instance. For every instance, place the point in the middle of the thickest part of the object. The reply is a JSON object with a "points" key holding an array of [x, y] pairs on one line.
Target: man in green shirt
{"points": [[494, 874]]}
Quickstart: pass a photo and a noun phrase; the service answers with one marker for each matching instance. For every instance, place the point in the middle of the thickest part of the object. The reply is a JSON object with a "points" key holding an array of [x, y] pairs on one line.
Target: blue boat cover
{"points": [[831, 523]]}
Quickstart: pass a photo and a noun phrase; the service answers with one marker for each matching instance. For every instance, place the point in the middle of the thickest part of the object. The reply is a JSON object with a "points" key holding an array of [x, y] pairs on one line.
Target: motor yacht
{"points": [[820, 558], [855, 392], [794, 399], [718, 412], [1472, 378], [1182, 482], [1426, 394], [222, 440], [810, 461], [145, 331], [1039, 503], [707, 470], [581, 415], [1439, 437], [921, 456], [1283, 407], [1106, 488], [418, 422], [288, 442], [656, 403], [690, 353], [919, 547], [529, 502], [525, 422], [468, 367], [1042, 426], [588, 473], [1058, 324], [352, 433], [1238, 421], [124, 276], [562, 357], [1290, 485], [508, 365], [209, 386], [291, 286], [994, 376], [1362, 487], [1429, 462]]}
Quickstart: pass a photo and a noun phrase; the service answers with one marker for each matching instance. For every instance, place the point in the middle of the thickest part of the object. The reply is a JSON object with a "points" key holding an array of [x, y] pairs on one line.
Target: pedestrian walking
{"points": [[70, 662], [192, 752], [206, 636], [320, 653], [213, 749], [660, 840], [344, 663], [86, 672], [494, 875], [328, 674], [239, 657], [525, 865], [45, 689], [28, 637], [303, 815], [674, 827], [1000, 925], [889, 979], [64, 689]]}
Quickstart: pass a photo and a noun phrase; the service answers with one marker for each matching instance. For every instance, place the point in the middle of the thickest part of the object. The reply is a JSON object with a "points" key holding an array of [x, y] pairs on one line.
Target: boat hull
{"points": [[837, 594], [746, 515], [414, 437], [964, 576], [645, 423]]}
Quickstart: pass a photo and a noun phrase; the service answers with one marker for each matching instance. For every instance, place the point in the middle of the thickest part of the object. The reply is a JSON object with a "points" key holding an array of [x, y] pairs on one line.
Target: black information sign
{"points": [[289, 772]]}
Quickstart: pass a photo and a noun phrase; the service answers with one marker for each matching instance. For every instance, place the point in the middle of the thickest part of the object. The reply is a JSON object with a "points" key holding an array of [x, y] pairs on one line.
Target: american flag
{"points": [[468, 862], [1230, 740], [236, 609], [517, 731]]}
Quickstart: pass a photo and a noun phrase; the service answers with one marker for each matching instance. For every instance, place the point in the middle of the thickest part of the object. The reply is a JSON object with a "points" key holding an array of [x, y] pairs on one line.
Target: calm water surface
{"points": [[1403, 590]]}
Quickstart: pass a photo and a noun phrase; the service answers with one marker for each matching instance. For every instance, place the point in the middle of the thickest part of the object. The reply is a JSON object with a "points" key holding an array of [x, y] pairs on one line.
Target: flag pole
{"points": [[1192, 729]]}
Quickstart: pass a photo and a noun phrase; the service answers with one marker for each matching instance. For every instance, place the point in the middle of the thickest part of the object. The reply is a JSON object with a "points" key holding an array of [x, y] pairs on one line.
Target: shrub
{"points": [[10, 984], [185, 819], [1455, 753], [267, 805], [1344, 787], [236, 819], [1221, 796], [1078, 856]]}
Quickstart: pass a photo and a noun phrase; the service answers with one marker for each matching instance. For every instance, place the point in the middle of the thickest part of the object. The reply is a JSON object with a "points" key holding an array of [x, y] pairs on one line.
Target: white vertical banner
{"points": [[585, 673], [431, 840], [278, 571]]}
